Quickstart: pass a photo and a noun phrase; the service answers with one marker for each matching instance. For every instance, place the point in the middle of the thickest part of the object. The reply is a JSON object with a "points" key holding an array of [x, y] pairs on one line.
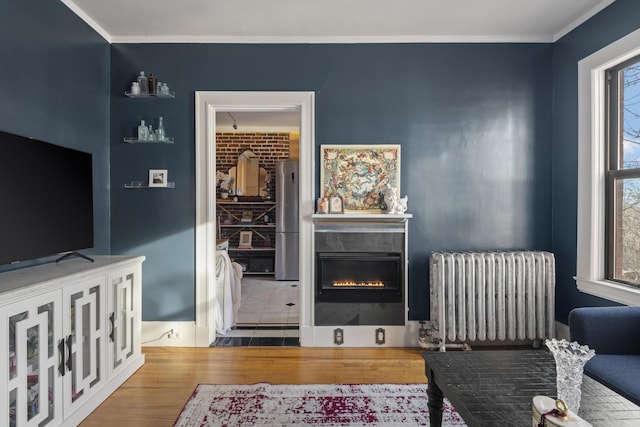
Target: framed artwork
{"points": [[245, 240], [158, 177], [359, 175], [247, 216], [335, 205]]}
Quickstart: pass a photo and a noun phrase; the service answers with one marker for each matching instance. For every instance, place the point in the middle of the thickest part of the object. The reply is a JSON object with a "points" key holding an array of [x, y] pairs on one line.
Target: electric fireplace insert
{"points": [[359, 277]]}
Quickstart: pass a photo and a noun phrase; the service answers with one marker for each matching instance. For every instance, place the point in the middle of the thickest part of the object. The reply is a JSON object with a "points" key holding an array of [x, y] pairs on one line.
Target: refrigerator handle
{"points": [[293, 177]]}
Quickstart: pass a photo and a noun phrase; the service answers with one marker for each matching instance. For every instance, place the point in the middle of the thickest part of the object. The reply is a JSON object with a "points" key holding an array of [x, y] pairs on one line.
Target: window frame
{"points": [[616, 172], [592, 155]]}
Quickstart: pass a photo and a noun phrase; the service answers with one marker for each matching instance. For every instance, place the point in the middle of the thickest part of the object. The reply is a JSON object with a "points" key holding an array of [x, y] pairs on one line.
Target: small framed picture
{"points": [[335, 205], [158, 177], [247, 215], [245, 240]]}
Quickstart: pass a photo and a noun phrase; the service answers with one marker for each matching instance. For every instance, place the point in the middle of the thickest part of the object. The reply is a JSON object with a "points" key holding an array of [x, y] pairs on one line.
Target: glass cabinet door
{"points": [[33, 362], [123, 335], [84, 328]]}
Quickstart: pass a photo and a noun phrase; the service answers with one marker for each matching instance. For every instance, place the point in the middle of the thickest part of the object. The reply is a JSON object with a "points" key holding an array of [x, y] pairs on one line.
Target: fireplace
{"points": [[359, 277], [360, 268]]}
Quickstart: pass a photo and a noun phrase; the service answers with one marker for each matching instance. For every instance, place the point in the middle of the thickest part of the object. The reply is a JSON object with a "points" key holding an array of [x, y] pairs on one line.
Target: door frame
{"points": [[208, 103]]}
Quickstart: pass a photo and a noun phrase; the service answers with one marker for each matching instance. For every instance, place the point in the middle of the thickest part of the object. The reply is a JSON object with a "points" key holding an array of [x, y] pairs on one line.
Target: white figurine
{"points": [[395, 205]]}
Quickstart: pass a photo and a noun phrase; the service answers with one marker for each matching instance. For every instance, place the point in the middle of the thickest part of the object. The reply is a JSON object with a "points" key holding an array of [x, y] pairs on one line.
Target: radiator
{"points": [[491, 296]]}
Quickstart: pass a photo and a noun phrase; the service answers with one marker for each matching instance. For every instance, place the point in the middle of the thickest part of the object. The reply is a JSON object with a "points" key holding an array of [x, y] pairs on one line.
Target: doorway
{"points": [[254, 149], [208, 104]]}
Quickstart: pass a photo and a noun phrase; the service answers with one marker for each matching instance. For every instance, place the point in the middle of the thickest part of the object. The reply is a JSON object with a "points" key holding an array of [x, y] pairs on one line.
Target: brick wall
{"points": [[268, 146]]}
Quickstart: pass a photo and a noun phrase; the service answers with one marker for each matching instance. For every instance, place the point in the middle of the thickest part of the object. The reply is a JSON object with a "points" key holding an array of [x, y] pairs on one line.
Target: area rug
{"points": [[266, 404]]}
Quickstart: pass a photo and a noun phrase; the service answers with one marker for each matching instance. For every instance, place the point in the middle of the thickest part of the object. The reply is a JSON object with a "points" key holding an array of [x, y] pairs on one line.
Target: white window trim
{"points": [[590, 277]]}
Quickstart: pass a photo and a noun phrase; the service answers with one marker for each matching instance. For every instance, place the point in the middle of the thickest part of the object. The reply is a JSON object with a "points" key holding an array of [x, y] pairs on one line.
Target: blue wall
{"points": [[611, 24], [54, 86], [474, 122]]}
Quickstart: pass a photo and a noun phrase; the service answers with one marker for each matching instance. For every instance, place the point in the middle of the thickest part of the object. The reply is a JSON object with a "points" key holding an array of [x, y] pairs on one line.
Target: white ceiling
{"points": [[333, 21]]}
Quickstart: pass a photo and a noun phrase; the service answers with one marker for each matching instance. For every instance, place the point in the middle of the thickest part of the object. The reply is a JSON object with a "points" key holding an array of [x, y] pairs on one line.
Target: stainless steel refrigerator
{"points": [[287, 232]]}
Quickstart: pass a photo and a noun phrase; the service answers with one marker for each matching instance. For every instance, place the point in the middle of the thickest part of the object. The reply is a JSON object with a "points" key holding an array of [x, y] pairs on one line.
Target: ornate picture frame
{"points": [[359, 174]]}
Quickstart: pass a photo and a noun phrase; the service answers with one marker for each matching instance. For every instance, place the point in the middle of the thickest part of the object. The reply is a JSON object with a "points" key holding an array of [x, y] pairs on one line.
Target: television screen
{"points": [[46, 199]]}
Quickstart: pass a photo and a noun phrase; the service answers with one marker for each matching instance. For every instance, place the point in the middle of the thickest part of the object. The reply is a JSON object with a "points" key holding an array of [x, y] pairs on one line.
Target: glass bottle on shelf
{"points": [[143, 131], [160, 130], [143, 82], [152, 81]]}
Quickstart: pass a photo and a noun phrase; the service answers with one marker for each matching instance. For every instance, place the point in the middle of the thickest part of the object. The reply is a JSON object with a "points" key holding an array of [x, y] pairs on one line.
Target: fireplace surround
{"points": [[360, 270]]}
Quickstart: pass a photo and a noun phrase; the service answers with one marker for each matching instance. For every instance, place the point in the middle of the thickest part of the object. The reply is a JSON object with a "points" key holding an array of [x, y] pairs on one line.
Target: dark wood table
{"points": [[496, 388]]}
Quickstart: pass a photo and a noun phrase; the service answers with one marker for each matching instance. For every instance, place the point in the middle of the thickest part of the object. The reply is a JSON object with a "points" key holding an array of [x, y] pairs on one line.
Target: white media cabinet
{"points": [[70, 335]]}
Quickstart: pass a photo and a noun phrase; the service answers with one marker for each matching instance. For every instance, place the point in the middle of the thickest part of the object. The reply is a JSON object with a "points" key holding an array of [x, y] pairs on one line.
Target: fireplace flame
{"points": [[358, 284]]}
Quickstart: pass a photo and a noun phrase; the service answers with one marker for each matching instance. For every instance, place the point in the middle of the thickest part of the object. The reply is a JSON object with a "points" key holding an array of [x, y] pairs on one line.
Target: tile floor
{"points": [[268, 316]]}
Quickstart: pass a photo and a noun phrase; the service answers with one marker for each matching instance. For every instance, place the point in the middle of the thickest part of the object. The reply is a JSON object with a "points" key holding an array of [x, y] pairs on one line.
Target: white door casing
{"points": [[207, 105]]}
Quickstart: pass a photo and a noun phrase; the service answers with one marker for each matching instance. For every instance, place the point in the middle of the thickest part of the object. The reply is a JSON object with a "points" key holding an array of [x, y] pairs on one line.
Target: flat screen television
{"points": [[46, 199]]}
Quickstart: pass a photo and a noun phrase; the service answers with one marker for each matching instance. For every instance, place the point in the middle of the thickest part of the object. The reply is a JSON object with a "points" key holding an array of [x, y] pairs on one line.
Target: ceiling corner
{"points": [[580, 20], [86, 18]]}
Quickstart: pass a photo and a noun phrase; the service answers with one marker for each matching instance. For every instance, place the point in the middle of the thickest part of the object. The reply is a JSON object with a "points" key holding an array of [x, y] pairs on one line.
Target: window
{"points": [[623, 172], [596, 263]]}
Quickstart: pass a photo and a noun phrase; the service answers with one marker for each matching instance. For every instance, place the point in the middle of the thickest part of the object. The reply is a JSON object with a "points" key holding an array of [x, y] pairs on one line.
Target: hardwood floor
{"points": [[155, 395]]}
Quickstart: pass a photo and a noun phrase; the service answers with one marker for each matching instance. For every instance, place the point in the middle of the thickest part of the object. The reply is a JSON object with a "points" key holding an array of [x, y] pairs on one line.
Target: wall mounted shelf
{"points": [[171, 94], [135, 186], [168, 140]]}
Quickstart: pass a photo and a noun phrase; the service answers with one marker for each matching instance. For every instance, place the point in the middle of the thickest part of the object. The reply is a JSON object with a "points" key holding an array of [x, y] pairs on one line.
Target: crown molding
{"points": [[333, 39], [579, 21]]}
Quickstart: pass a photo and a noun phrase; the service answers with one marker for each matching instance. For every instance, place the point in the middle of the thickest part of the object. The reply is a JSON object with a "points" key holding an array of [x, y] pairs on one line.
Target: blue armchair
{"points": [[614, 334]]}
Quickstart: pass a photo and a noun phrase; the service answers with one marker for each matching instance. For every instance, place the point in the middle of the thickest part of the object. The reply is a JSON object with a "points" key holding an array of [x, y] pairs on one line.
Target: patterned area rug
{"points": [[311, 404]]}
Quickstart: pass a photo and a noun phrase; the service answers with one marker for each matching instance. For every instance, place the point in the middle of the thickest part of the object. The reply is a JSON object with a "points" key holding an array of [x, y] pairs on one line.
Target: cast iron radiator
{"points": [[495, 296]]}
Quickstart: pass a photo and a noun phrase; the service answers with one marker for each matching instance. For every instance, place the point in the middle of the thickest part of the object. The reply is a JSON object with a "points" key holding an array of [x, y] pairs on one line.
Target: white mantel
{"points": [[361, 217]]}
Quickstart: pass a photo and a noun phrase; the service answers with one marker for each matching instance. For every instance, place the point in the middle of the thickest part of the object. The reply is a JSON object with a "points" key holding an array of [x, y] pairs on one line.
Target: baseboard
{"points": [[187, 334]]}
